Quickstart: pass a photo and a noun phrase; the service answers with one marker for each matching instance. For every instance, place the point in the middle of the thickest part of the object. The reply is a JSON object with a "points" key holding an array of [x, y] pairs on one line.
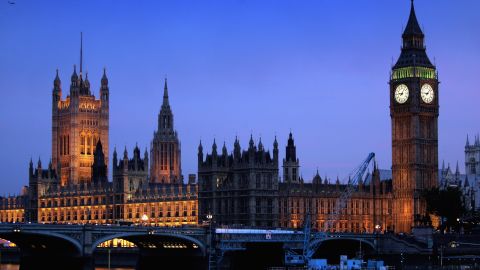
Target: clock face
{"points": [[427, 93], [401, 93]]}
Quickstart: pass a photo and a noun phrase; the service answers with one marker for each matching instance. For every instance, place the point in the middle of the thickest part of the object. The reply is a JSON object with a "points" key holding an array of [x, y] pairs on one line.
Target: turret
{"points": [[275, 151], [260, 145], [251, 144], [57, 91], [39, 164], [214, 149], [236, 149], [74, 83], [104, 90]]}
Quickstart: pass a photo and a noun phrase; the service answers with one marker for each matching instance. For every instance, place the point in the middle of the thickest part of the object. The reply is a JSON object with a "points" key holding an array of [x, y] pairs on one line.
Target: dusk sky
{"points": [[318, 68]]}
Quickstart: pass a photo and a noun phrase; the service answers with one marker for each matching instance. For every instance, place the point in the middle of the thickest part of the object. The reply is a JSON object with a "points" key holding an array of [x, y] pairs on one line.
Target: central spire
{"points": [[165, 94]]}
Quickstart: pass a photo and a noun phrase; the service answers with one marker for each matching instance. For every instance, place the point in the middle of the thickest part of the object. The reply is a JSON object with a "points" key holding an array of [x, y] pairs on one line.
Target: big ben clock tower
{"points": [[414, 113]]}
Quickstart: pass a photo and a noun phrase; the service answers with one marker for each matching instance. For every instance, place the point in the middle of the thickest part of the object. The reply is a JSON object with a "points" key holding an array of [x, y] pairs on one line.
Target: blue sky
{"points": [[318, 68]]}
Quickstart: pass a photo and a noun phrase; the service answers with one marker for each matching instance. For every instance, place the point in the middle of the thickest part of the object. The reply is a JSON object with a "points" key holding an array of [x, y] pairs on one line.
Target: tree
{"points": [[446, 203]]}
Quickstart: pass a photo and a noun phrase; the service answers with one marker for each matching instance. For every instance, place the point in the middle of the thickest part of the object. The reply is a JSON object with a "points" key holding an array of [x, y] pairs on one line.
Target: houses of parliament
{"points": [[243, 187]]}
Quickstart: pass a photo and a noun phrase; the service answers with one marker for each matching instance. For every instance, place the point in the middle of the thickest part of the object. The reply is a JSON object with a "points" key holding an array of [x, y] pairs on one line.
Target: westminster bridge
{"points": [[73, 246]]}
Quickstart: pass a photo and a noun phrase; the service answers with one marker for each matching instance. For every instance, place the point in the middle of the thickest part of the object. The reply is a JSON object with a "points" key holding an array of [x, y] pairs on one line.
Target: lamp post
{"points": [[212, 241], [144, 219]]}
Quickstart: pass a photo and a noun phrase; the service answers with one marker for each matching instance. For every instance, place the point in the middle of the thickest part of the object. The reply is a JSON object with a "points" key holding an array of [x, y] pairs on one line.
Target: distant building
{"points": [[472, 168]]}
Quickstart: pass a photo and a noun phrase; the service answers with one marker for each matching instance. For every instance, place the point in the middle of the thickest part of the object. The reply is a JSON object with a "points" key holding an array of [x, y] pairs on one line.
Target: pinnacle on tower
{"points": [[104, 80], [74, 75], [412, 28], [467, 144], [56, 81], [165, 94]]}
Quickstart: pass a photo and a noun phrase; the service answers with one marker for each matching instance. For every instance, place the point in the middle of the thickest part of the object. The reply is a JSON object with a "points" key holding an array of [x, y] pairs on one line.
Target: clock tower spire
{"points": [[414, 114]]}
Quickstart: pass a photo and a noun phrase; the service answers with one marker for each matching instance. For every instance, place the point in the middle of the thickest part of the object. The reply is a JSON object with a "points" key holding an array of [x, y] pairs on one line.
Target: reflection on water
{"points": [[15, 267]]}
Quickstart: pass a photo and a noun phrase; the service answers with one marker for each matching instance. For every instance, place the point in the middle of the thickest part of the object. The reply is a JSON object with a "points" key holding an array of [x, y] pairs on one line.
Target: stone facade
{"points": [[369, 208], [239, 188]]}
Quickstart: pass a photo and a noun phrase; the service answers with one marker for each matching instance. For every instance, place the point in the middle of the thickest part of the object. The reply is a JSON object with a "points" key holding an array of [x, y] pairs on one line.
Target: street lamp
{"points": [[144, 219]]}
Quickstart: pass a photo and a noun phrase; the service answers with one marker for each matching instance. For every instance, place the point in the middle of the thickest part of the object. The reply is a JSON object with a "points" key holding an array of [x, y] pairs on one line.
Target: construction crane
{"points": [[310, 244]]}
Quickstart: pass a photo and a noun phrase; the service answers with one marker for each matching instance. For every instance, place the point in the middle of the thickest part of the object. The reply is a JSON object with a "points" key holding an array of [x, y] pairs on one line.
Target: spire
{"points": [[81, 52], [56, 81], [260, 144], [457, 170], [443, 165], [104, 77], [74, 75], [413, 49], [145, 154], [251, 143], [214, 147], [200, 147], [275, 143], [468, 143], [224, 149], [413, 28], [165, 94]]}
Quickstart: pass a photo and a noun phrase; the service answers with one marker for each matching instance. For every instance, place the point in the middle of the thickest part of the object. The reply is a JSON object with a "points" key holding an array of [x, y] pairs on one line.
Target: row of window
{"points": [[88, 143]]}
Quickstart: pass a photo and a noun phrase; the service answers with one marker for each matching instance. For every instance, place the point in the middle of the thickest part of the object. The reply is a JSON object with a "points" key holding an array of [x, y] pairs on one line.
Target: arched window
{"points": [[60, 145], [89, 144], [82, 144]]}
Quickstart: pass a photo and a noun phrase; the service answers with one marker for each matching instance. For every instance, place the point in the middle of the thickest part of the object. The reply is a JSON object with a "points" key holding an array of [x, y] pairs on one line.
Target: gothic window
{"points": [[258, 177], [82, 144], [89, 144], [60, 145]]}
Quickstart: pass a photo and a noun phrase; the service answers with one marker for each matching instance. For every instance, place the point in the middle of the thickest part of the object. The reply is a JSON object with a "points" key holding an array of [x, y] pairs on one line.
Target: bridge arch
{"points": [[44, 241], [144, 239]]}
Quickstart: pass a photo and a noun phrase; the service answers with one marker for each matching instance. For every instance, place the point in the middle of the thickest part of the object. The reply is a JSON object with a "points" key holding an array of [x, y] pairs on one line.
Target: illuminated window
{"points": [[82, 144], [89, 144]]}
